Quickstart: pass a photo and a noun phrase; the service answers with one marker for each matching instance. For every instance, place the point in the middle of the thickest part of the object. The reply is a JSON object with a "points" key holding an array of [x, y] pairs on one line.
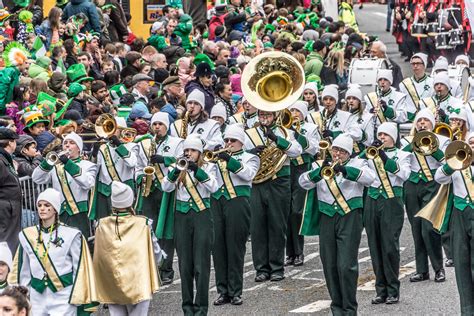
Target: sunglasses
{"points": [[230, 140], [416, 64], [308, 92]]}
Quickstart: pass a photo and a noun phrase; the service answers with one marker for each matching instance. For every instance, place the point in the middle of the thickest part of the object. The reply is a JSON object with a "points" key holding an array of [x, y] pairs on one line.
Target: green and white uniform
{"points": [[396, 110], [415, 91]]}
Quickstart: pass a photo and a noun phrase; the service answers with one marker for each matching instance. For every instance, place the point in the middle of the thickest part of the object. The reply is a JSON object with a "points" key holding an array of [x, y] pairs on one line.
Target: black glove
{"points": [[224, 156], [442, 115], [157, 159], [95, 149], [192, 166], [377, 143], [327, 133], [339, 168], [326, 162], [383, 105], [270, 134], [257, 150], [383, 156], [64, 159], [217, 147], [115, 141]]}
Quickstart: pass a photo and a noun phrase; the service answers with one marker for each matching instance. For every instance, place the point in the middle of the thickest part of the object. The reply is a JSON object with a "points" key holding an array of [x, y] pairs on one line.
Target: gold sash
{"points": [[178, 125], [373, 100], [194, 193], [318, 120], [408, 83], [239, 117], [66, 190], [430, 104], [105, 150], [226, 177], [424, 166], [379, 165], [467, 177], [31, 235], [254, 137], [332, 185]]}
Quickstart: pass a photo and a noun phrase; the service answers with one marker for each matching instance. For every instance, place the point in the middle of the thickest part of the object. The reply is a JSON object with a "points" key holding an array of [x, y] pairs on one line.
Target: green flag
{"points": [[38, 48]]}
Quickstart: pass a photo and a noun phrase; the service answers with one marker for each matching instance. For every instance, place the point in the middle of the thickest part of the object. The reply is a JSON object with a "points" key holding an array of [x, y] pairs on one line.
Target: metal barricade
{"points": [[29, 192]]}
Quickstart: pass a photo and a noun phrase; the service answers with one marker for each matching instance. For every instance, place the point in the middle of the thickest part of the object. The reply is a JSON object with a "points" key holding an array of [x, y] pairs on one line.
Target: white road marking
{"points": [[383, 15], [313, 307], [405, 270]]}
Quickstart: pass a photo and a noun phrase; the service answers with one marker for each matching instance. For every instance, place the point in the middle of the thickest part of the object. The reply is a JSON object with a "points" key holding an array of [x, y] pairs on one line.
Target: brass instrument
{"points": [[271, 81], [443, 129], [149, 171], [425, 143], [184, 126], [373, 152], [324, 144], [52, 158], [458, 155], [105, 126], [327, 172], [296, 124], [182, 164], [212, 156], [127, 135]]}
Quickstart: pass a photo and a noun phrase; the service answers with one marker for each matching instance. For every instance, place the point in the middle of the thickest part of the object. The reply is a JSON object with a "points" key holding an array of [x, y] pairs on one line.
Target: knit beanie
{"points": [[6, 255], [301, 106], [385, 74], [51, 196], [330, 91], [344, 141], [219, 111], [390, 129], [422, 56], [75, 138], [197, 96], [427, 114], [193, 142], [235, 131], [161, 117], [442, 77], [122, 195]]}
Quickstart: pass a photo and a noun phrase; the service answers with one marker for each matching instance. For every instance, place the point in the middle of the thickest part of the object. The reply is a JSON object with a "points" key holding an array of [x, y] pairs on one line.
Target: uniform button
{"points": [[335, 207]]}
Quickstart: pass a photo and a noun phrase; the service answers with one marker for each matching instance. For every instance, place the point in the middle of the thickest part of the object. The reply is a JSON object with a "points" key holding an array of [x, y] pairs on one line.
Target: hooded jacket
{"points": [[26, 165], [88, 8], [37, 72]]}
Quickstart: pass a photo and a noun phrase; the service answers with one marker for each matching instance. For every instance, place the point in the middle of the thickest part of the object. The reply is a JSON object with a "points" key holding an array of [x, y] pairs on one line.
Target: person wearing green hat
{"points": [[78, 73], [183, 30], [40, 69], [78, 103]]}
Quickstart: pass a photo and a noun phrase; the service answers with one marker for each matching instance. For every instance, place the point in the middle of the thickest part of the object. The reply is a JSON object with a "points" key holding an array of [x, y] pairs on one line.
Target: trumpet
{"points": [[328, 172], [373, 152], [182, 164], [425, 143], [52, 158], [212, 156]]}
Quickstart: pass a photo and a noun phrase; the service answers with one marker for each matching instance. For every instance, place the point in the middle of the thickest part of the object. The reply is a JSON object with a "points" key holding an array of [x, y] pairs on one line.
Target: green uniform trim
{"points": [[201, 175], [122, 151], [282, 143], [303, 141], [46, 166], [234, 165], [391, 166], [447, 170], [389, 113], [306, 158], [438, 155], [353, 174], [336, 133], [173, 175], [81, 206], [461, 203], [411, 116], [186, 206], [332, 209], [241, 190], [375, 193], [72, 168], [41, 285], [168, 161], [315, 175], [415, 177], [283, 172], [106, 189]]}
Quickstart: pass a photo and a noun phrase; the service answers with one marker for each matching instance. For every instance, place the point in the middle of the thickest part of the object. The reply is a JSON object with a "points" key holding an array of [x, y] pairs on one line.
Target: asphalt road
{"points": [[304, 289]]}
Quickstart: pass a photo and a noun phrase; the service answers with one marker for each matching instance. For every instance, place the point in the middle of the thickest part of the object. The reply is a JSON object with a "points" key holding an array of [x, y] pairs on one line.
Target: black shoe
{"points": [[261, 278], [222, 300], [276, 277], [379, 300], [361, 7], [166, 281], [449, 263], [387, 30], [236, 300], [289, 261], [299, 260], [418, 277], [440, 276], [392, 300]]}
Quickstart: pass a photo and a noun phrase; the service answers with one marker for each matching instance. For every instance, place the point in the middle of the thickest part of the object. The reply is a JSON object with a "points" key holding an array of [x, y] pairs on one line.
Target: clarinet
{"points": [[374, 118]]}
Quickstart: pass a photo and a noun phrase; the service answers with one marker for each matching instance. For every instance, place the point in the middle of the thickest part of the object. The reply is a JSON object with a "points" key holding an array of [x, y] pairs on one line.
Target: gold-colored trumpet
{"points": [[458, 155], [182, 164], [425, 143], [105, 126], [52, 157], [328, 171], [212, 156], [373, 152]]}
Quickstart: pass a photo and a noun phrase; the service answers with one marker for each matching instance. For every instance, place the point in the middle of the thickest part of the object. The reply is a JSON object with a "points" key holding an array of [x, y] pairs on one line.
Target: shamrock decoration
{"points": [[391, 102], [166, 149], [426, 87], [336, 124], [58, 242], [200, 130]]}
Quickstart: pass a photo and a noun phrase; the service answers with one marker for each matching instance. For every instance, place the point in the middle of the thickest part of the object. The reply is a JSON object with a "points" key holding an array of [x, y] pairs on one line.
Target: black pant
{"points": [[10, 222]]}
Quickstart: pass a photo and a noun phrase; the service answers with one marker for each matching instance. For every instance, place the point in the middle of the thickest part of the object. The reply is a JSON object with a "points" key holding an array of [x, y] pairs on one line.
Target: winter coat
{"points": [[128, 70], [208, 93], [118, 23], [183, 29], [37, 72], [9, 78], [45, 30], [80, 106], [88, 8], [43, 140], [26, 165]]}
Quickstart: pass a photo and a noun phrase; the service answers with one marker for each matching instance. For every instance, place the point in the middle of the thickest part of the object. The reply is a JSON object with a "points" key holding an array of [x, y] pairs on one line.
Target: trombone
{"points": [[105, 126], [425, 143], [458, 155], [212, 156]]}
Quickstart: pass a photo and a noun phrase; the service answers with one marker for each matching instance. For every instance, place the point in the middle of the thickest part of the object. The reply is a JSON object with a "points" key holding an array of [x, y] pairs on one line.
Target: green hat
{"points": [[74, 89], [62, 122], [43, 62], [22, 3], [77, 73], [108, 6], [60, 112], [203, 58], [158, 42], [116, 92], [46, 103], [269, 27], [33, 117], [268, 45], [317, 79]]}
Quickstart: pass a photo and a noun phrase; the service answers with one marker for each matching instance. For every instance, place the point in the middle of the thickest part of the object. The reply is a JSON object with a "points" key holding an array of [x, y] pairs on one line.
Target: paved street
{"points": [[304, 290]]}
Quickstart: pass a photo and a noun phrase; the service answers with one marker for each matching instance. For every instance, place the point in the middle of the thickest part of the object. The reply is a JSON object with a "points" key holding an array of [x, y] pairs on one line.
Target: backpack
{"points": [[213, 23]]}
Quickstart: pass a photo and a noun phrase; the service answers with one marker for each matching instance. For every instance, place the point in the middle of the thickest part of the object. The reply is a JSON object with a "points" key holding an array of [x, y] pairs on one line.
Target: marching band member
{"points": [[310, 95], [384, 211], [193, 226], [388, 104], [417, 87], [157, 149], [442, 65], [337, 219], [443, 104], [6, 265], [230, 208], [270, 200], [461, 223], [248, 117], [53, 260], [308, 137], [419, 190], [335, 121], [218, 114], [119, 263], [116, 161], [74, 178], [360, 117], [197, 121]]}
